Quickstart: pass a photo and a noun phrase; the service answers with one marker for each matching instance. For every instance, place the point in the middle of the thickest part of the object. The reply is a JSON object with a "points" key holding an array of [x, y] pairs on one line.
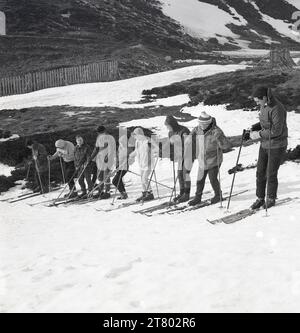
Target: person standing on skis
{"points": [[82, 154], [124, 160], [210, 142], [177, 137], [145, 155], [65, 150], [39, 157], [104, 154], [272, 131]]}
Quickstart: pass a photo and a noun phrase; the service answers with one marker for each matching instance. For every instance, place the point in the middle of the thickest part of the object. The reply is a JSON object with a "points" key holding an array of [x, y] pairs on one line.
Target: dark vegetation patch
{"points": [[235, 88]]}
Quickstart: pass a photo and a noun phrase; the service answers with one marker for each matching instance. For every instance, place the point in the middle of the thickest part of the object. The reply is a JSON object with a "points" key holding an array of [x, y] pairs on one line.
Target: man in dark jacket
{"points": [[82, 155], [39, 159], [272, 131], [177, 136]]}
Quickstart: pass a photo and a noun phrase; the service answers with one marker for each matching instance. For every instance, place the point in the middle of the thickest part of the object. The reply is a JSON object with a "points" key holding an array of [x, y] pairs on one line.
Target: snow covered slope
{"points": [[117, 93], [78, 259], [241, 23]]}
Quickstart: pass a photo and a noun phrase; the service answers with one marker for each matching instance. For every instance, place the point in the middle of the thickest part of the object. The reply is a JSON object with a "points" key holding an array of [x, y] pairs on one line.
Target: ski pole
{"points": [[49, 174], [28, 171], [219, 174], [173, 191], [268, 172], [62, 170], [235, 171], [156, 185], [160, 184], [66, 185], [39, 176], [150, 180], [174, 177]]}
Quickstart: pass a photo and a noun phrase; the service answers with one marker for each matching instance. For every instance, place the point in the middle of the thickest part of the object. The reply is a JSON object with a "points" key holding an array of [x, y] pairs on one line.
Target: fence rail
{"points": [[96, 72]]}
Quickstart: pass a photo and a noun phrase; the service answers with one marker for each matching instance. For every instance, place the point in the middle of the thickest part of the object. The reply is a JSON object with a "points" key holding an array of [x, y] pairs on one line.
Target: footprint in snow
{"points": [[116, 272]]}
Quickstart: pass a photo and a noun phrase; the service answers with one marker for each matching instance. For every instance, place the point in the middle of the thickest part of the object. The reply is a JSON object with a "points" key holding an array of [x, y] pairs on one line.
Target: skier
{"points": [[144, 154], [177, 137], [104, 153], [82, 154], [210, 142], [65, 150], [39, 159], [272, 131], [124, 160]]}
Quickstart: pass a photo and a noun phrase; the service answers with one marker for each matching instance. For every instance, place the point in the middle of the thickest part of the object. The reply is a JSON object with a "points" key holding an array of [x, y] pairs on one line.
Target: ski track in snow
{"points": [[76, 259]]}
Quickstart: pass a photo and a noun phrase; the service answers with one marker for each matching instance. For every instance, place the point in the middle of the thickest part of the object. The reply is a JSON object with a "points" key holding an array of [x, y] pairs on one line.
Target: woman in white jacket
{"points": [[144, 153]]}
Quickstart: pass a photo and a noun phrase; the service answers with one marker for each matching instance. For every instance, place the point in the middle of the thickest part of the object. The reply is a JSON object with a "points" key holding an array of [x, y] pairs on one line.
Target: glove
{"points": [[255, 136], [49, 157], [246, 136]]}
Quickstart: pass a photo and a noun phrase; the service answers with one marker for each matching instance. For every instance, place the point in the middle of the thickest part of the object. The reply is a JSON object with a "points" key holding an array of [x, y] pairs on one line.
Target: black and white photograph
{"points": [[149, 158]]}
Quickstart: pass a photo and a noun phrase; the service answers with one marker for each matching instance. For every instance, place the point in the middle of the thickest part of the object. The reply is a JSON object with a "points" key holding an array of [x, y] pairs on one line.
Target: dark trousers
{"points": [[263, 164], [104, 179], [88, 177], [69, 174], [94, 172], [184, 181], [213, 177], [118, 180]]}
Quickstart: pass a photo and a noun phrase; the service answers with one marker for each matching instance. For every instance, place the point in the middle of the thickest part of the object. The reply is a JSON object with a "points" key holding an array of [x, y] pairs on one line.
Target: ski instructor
{"points": [[272, 131]]}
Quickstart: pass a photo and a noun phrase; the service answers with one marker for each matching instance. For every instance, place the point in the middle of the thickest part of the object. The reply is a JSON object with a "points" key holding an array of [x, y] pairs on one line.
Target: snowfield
{"points": [[122, 94], [77, 259]]}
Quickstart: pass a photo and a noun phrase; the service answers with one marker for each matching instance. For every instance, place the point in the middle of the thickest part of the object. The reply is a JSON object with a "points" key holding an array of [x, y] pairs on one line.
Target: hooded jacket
{"points": [[273, 123], [81, 155], [207, 146], [65, 149]]}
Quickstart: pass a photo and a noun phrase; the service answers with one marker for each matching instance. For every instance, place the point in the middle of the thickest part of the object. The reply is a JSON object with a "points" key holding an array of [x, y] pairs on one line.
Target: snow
{"points": [[77, 259], [5, 170], [203, 20], [282, 27], [295, 3], [114, 94], [13, 137]]}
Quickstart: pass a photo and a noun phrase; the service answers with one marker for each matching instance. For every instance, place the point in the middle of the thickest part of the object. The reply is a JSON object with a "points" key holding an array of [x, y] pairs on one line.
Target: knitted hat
{"points": [[60, 144], [138, 131], [101, 129], [205, 119], [260, 92]]}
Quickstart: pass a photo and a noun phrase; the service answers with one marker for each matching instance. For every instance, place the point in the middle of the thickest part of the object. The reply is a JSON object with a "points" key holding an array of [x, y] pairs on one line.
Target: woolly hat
{"points": [[138, 131], [60, 144], [260, 92], [205, 119], [101, 129]]}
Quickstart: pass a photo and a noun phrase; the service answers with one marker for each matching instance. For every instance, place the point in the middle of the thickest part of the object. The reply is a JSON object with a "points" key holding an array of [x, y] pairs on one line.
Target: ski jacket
{"points": [[105, 144], [207, 146], [177, 139], [144, 154], [273, 122], [81, 155], [66, 152]]}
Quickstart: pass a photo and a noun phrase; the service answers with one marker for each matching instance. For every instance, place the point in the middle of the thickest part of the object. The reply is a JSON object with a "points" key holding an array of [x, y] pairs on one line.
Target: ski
{"points": [[242, 214], [126, 204], [187, 208], [161, 206], [17, 197]]}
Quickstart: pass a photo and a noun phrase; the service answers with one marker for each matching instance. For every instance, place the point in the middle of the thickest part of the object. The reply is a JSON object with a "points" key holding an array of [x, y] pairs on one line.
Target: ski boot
{"points": [[141, 198], [269, 203], [175, 200], [83, 195], [196, 201], [71, 195], [148, 197], [123, 196], [104, 196], [258, 204], [184, 198], [216, 199]]}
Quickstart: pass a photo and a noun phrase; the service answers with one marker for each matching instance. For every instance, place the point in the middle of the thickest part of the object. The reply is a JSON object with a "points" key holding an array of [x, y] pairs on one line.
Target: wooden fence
{"points": [[97, 72]]}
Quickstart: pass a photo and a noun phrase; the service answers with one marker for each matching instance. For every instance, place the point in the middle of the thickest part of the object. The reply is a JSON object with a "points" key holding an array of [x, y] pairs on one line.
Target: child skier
{"points": [[81, 159], [272, 131], [144, 154], [210, 142], [177, 137], [124, 160], [39, 157], [65, 150]]}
